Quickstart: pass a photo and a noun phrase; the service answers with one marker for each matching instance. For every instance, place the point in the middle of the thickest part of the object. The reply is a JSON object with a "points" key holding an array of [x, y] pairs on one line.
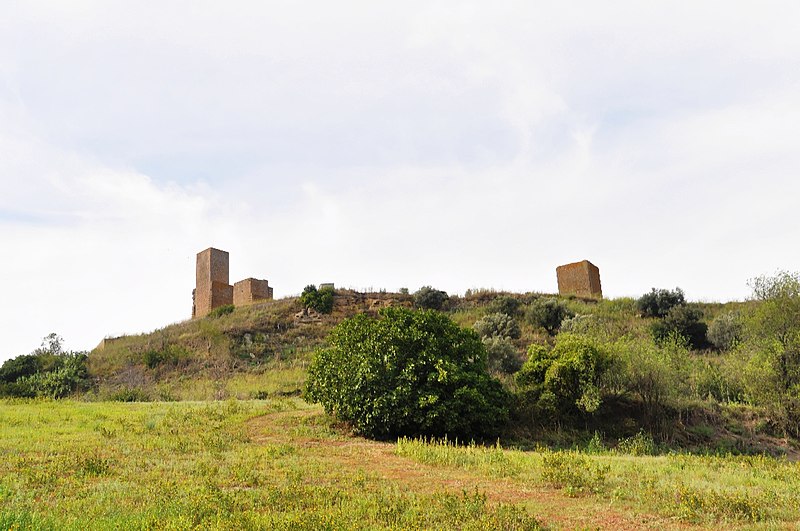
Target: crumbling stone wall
{"points": [[250, 290], [212, 289], [579, 278]]}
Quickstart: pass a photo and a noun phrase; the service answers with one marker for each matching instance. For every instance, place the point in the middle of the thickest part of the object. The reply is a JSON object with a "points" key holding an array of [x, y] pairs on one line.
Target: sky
{"points": [[458, 144]]}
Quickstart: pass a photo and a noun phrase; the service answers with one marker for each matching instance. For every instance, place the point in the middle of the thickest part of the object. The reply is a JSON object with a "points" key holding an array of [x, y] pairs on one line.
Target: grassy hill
{"points": [[262, 351]]}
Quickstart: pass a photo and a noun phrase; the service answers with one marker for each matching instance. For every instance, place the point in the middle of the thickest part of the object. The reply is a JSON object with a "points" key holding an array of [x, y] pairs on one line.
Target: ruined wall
{"points": [[212, 289], [579, 278], [251, 290]]}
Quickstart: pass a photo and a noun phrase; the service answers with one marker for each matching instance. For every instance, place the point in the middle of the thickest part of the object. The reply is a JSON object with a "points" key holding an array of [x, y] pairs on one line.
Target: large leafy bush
{"points": [[565, 380], [407, 372]]}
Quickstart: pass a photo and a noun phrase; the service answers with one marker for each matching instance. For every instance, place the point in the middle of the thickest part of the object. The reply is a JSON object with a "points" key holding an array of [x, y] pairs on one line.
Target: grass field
{"points": [[280, 464]]}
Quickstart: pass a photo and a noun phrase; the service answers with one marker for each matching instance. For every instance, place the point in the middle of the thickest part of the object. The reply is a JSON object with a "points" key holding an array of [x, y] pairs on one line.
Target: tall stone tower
{"points": [[212, 289], [579, 278]]}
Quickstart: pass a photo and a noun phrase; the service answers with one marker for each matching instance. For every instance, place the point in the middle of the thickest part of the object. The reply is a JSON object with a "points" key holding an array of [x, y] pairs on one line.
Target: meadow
{"points": [[283, 464]]}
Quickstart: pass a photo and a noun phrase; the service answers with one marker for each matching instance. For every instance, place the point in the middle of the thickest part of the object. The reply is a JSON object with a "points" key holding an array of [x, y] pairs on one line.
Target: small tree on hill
{"points": [[319, 300], [547, 314], [684, 321], [659, 302], [407, 372], [429, 298]]}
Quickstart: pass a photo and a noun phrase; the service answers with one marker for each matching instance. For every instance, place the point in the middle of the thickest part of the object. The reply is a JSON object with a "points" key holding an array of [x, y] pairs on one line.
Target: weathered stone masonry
{"points": [[212, 288], [579, 278]]}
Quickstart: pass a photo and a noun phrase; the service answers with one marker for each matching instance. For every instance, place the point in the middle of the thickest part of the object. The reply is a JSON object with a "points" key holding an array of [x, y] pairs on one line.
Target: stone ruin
{"points": [[579, 278], [212, 289]]}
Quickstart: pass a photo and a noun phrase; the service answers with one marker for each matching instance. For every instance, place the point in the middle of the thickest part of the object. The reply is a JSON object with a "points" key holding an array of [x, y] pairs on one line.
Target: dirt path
{"points": [[549, 505]]}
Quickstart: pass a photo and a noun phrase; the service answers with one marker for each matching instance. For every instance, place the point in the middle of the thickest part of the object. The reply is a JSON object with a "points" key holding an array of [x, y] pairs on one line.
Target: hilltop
{"points": [[262, 351]]}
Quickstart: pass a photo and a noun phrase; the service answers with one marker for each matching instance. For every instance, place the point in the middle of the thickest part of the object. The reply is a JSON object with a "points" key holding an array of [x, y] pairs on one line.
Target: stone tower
{"points": [[212, 289], [579, 278]]}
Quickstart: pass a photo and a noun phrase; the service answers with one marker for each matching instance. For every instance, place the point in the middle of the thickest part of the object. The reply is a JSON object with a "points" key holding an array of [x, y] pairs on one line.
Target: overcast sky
{"points": [[387, 144]]}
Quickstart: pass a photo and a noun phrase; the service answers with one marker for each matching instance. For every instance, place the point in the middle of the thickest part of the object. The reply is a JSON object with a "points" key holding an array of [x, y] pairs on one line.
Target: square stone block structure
{"points": [[579, 278], [250, 290], [212, 289]]}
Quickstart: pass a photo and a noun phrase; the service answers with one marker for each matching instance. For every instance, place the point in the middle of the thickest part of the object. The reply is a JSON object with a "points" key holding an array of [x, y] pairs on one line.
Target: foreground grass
{"points": [[279, 464], [73, 465], [728, 491]]}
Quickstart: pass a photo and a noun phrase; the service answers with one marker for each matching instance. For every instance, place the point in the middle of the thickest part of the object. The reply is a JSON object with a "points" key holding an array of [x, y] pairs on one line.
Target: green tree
{"points": [[407, 372], [684, 321], [319, 300], [565, 380], [430, 298], [547, 314], [774, 333], [659, 302]]}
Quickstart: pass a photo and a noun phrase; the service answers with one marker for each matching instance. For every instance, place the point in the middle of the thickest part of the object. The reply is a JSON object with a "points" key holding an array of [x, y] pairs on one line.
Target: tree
{"points": [[429, 298], [410, 373], [659, 302], [565, 380], [774, 332], [319, 300], [684, 321], [547, 314]]}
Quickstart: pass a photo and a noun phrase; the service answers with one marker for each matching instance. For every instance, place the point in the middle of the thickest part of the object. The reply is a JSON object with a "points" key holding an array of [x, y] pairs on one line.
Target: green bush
{"points": [[129, 394], [684, 321], [408, 373], [505, 304], [725, 331], [565, 380], [319, 300], [15, 368], [659, 302], [497, 324], [430, 299], [547, 314], [656, 375], [502, 355], [68, 378]]}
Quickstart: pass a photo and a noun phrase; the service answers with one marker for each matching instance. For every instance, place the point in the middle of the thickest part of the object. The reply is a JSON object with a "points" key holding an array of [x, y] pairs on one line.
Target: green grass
{"points": [[757, 491], [193, 465], [282, 464]]}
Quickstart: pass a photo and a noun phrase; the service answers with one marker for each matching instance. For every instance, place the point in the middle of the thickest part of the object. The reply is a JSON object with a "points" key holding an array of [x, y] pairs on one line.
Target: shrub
{"points": [[502, 355], [566, 379], [219, 311], [319, 300], [431, 299], [547, 314], [658, 302], [497, 324], [129, 394], [725, 331], [505, 304], [69, 377], [654, 374], [684, 321], [409, 373], [576, 474], [15, 368]]}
